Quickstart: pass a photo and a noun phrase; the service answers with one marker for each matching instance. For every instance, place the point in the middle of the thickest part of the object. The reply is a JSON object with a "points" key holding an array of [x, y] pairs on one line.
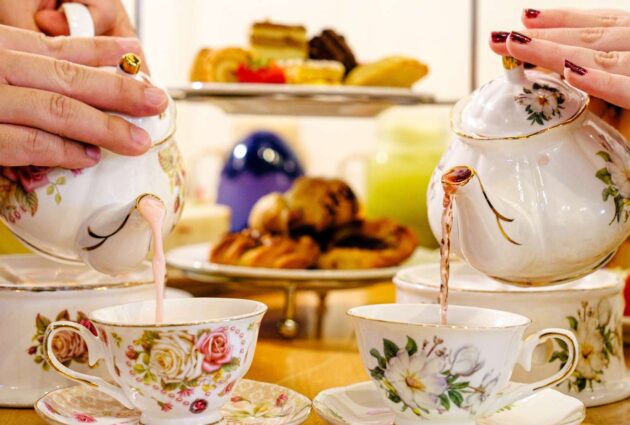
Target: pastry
{"points": [[270, 214], [393, 71], [318, 204], [219, 65], [368, 244], [298, 71], [270, 41], [312, 205], [268, 74], [200, 70], [332, 46], [255, 249]]}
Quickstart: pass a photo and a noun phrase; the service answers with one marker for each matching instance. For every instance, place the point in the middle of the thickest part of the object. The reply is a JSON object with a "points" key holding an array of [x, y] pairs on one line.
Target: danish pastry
{"points": [[218, 65], [392, 71], [368, 244], [254, 249]]}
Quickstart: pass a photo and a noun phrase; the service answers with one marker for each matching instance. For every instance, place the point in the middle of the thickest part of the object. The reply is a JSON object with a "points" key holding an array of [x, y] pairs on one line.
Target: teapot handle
{"points": [[79, 20]]}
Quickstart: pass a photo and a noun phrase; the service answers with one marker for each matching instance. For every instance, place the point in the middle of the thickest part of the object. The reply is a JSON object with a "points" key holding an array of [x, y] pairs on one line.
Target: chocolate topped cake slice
{"points": [[330, 45]]}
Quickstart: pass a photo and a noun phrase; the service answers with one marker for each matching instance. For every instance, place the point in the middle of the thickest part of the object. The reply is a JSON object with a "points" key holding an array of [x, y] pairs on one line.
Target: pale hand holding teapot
{"points": [[90, 215], [545, 196]]}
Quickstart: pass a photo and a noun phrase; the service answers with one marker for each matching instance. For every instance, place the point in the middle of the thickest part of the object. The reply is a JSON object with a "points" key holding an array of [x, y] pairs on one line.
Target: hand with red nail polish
{"points": [[591, 48], [53, 98]]}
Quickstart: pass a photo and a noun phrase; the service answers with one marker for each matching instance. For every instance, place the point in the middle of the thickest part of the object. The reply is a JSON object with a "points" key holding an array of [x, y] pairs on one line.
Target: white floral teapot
{"points": [[542, 189], [90, 215]]}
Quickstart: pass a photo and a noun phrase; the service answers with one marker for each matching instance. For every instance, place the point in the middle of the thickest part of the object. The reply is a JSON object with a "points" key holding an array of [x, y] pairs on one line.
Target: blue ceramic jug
{"points": [[259, 164]]}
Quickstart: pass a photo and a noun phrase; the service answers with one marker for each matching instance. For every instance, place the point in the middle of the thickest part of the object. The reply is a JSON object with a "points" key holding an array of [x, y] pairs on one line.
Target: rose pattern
{"points": [[182, 364], [83, 418], [67, 346], [216, 349], [18, 186], [30, 176], [198, 406], [598, 342], [174, 358], [428, 377]]}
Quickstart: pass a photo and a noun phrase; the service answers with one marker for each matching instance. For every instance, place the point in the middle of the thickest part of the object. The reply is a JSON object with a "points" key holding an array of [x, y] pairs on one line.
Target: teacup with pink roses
{"points": [[180, 372]]}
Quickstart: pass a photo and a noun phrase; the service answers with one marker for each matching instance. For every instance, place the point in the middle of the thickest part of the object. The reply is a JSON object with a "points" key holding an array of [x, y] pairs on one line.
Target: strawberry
{"points": [[270, 74]]}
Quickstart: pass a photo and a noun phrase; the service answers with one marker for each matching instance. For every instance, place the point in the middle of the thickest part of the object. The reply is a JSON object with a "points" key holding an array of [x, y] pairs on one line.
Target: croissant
{"points": [[254, 249], [312, 205]]}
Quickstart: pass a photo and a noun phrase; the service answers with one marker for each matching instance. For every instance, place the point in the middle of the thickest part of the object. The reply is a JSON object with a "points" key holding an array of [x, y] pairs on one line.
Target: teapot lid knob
{"points": [[510, 62], [130, 63]]}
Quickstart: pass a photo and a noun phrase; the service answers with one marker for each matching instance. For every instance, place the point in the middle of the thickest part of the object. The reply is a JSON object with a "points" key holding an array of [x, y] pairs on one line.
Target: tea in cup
{"points": [[453, 373], [178, 372]]}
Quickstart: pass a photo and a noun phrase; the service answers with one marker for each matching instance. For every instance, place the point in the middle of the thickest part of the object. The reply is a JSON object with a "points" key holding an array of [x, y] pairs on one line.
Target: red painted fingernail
{"points": [[519, 38], [499, 36], [531, 13], [93, 152], [575, 68]]}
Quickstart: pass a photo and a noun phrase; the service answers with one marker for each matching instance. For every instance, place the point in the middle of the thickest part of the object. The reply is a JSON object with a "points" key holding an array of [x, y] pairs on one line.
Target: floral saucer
{"points": [[252, 403], [362, 404]]}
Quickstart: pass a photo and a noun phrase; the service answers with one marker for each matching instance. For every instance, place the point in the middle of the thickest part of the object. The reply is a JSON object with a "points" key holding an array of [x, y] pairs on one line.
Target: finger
{"points": [[612, 88], [92, 51], [603, 39], [498, 42], [110, 18], [568, 18], [29, 146], [52, 22], [99, 88], [72, 119], [552, 55]]}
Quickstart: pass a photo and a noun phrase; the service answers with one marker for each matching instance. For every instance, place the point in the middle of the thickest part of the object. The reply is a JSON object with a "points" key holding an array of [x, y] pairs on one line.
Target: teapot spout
{"points": [[476, 215], [116, 239]]}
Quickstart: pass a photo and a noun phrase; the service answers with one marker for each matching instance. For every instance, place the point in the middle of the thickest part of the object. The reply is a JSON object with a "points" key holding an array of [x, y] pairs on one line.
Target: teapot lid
{"points": [[160, 127], [518, 104]]}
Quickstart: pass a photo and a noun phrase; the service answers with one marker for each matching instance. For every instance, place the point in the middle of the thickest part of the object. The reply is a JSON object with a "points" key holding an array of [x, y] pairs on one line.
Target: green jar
{"points": [[409, 145]]}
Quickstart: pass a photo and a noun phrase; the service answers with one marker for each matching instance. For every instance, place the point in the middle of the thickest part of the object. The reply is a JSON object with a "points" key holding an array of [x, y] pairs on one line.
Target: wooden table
{"points": [[311, 365]]}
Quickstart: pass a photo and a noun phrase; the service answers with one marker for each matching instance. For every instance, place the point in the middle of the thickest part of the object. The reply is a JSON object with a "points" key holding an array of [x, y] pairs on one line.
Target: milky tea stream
{"points": [[451, 181], [153, 211]]}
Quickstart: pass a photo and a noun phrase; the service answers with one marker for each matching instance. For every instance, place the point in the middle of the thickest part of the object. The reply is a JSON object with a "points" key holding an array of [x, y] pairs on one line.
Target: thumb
{"points": [[52, 22]]}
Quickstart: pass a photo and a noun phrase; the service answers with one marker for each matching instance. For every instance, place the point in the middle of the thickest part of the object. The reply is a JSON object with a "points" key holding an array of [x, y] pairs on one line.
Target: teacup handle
{"points": [[79, 20], [95, 353], [525, 357]]}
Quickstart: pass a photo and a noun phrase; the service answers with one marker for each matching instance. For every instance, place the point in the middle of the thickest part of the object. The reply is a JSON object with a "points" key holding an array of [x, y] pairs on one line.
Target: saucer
{"points": [[251, 403], [362, 404]]}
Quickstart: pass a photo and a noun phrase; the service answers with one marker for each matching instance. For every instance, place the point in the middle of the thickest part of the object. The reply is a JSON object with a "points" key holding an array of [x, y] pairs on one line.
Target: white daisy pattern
{"points": [[427, 377], [598, 341], [542, 102]]}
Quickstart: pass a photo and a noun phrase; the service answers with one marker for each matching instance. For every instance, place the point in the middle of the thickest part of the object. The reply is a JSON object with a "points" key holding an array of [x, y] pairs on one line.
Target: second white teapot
{"points": [[542, 188]]}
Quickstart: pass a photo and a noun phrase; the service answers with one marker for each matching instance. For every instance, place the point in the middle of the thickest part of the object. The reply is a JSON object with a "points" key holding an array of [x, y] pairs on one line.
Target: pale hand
{"points": [[596, 44], [51, 99]]}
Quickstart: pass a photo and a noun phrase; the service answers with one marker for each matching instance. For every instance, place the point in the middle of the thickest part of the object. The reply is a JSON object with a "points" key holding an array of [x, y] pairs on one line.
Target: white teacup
{"points": [[450, 374], [180, 372]]}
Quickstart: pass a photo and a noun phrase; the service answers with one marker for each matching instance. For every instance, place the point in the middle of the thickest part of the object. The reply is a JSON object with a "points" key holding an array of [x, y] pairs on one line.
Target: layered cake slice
{"points": [[270, 41]]}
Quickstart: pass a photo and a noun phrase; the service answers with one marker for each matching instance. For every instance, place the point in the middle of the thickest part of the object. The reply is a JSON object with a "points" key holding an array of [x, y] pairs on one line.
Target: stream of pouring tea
{"points": [[451, 181], [153, 211]]}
